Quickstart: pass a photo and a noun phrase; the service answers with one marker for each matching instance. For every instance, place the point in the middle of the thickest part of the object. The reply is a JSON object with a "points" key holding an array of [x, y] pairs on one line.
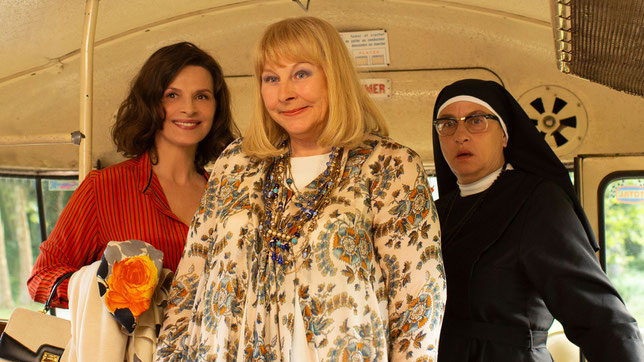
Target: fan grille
{"points": [[559, 116]]}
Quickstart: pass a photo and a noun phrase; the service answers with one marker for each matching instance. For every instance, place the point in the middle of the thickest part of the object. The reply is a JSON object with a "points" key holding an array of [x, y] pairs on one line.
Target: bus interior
{"points": [[575, 66]]}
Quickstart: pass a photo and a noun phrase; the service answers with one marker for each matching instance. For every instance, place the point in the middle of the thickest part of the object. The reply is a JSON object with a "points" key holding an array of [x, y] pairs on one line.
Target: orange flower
{"points": [[131, 284]]}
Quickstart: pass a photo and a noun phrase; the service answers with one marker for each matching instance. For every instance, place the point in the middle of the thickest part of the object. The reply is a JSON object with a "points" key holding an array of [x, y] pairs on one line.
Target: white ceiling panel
{"points": [[431, 43]]}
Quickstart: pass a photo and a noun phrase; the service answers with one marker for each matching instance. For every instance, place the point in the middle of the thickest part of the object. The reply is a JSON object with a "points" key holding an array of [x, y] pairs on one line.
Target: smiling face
{"points": [[189, 105], [296, 97], [472, 156]]}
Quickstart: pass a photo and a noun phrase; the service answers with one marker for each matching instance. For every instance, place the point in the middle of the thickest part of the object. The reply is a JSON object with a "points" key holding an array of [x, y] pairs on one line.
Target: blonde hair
{"points": [[351, 115]]}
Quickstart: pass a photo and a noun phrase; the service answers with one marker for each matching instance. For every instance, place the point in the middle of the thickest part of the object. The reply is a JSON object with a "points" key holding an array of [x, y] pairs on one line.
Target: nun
{"points": [[517, 247]]}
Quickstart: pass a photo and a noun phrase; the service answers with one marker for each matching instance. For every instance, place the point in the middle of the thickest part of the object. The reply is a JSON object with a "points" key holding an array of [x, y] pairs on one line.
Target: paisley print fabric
{"points": [[369, 278]]}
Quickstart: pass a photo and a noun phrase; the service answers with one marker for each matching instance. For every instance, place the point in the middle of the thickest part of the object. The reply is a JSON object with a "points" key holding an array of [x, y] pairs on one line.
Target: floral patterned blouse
{"points": [[371, 288]]}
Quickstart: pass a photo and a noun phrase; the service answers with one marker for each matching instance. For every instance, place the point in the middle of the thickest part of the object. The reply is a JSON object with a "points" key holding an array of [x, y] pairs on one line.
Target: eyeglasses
{"points": [[476, 123]]}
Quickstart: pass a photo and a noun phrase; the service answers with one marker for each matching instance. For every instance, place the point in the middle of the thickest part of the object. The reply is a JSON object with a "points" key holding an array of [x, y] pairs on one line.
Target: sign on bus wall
{"points": [[377, 87], [368, 48]]}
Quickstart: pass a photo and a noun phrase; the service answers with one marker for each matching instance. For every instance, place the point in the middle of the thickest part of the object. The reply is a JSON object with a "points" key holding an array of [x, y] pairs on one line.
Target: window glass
{"points": [[19, 241], [20, 233], [433, 186], [624, 236], [55, 194]]}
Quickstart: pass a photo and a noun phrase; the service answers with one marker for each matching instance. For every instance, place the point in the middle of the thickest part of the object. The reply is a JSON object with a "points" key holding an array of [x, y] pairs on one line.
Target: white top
{"points": [[482, 184], [306, 169], [303, 171]]}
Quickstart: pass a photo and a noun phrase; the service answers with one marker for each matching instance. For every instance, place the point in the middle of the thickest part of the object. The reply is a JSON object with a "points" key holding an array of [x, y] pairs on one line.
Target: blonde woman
{"points": [[317, 238]]}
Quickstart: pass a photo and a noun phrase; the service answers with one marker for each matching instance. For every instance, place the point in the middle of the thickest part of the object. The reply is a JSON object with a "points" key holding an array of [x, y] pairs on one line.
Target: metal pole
{"points": [[86, 92], [45, 139]]}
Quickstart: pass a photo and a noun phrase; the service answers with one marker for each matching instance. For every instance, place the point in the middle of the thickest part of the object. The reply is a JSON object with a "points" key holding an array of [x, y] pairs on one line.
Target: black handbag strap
{"points": [[53, 290]]}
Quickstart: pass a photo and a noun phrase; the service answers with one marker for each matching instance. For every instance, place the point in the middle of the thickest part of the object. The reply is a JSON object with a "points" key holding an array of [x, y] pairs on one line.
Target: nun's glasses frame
{"points": [[475, 123]]}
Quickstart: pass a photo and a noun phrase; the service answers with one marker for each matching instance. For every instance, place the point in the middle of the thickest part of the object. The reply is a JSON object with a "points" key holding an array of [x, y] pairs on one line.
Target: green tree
{"points": [[25, 255], [20, 220], [624, 225], [6, 300], [624, 235]]}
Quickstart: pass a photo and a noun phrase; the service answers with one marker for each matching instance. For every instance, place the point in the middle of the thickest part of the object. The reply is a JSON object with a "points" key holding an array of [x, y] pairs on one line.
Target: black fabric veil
{"points": [[526, 150]]}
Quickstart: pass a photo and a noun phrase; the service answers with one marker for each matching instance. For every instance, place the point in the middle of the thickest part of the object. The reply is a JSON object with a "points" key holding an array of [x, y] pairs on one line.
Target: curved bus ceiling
{"points": [[431, 44]]}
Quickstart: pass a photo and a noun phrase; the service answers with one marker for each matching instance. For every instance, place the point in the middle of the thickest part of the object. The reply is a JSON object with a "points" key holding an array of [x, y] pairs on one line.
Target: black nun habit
{"points": [[521, 252]]}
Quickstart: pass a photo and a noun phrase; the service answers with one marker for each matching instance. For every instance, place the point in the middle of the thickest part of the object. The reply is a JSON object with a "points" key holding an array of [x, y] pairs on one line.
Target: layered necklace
{"points": [[281, 233]]}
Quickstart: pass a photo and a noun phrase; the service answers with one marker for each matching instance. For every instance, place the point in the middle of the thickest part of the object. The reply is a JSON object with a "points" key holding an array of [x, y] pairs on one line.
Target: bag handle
{"points": [[58, 282]]}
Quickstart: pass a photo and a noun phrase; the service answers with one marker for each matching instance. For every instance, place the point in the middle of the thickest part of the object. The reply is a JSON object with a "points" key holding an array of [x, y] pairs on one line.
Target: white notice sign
{"points": [[369, 48]]}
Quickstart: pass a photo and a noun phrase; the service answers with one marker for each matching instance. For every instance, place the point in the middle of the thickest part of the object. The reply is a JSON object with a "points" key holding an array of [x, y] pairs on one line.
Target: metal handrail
{"points": [[86, 92], [44, 139]]}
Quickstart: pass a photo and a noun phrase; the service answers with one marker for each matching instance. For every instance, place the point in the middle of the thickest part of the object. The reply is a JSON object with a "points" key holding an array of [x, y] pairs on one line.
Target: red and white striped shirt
{"points": [[122, 202]]}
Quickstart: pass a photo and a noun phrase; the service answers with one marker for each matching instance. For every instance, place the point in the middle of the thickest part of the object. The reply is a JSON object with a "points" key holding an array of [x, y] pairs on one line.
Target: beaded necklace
{"points": [[282, 233]]}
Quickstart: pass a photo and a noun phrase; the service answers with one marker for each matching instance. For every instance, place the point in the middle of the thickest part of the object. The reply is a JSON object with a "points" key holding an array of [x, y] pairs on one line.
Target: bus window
{"points": [[29, 208], [623, 211], [433, 185], [56, 193]]}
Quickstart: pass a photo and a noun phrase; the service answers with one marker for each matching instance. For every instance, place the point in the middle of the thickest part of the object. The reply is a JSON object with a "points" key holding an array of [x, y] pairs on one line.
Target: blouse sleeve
{"points": [[407, 241], [565, 271], [71, 245]]}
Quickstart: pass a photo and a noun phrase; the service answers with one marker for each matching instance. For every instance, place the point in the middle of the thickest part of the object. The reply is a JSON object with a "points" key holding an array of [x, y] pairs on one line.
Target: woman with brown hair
{"points": [[174, 121], [317, 238]]}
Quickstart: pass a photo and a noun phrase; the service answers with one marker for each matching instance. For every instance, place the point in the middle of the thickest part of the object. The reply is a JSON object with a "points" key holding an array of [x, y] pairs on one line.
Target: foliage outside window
{"points": [[22, 229], [624, 236]]}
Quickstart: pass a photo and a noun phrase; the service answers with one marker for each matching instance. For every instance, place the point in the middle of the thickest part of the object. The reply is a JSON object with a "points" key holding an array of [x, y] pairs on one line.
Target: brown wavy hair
{"points": [[141, 114]]}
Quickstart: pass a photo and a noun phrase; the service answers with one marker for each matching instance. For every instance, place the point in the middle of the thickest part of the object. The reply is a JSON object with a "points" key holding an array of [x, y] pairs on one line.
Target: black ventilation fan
{"points": [[558, 115]]}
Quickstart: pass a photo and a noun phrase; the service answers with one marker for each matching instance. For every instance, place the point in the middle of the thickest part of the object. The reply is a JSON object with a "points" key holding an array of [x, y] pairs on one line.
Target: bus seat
{"points": [[561, 349]]}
